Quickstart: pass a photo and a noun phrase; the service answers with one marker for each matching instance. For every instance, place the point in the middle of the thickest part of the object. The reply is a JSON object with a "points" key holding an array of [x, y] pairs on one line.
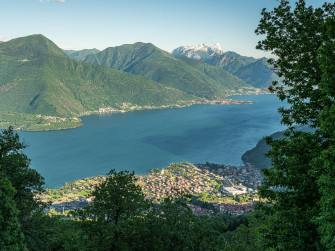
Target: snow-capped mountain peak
{"points": [[198, 51], [217, 47], [201, 47], [252, 70]]}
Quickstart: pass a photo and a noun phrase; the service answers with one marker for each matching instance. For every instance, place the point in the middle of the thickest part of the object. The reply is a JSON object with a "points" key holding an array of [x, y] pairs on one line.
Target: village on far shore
{"points": [[214, 188]]}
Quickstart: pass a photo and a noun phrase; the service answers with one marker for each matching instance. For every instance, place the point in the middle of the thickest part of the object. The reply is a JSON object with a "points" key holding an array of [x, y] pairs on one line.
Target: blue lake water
{"points": [[143, 140]]}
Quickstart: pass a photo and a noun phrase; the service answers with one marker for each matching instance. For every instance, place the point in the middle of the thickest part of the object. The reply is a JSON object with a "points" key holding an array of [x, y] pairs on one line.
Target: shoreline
{"points": [[90, 121], [220, 180], [77, 121]]}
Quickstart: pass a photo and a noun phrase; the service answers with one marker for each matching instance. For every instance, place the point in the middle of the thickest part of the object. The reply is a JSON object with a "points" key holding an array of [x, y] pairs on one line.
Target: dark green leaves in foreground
{"points": [[11, 237], [299, 187], [121, 218], [18, 185], [117, 201], [14, 165]]}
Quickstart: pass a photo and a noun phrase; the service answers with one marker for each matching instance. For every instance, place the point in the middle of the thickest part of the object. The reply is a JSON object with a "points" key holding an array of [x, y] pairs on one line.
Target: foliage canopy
{"points": [[14, 165], [298, 185]]}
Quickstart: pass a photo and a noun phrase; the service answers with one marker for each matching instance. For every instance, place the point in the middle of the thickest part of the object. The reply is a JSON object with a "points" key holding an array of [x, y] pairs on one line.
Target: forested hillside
{"points": [[36, 77], [257, 155], [255, 72], [79, 55], [145, 59]]}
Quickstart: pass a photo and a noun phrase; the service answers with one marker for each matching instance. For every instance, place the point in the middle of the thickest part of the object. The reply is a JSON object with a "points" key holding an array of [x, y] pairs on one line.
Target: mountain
{"points": [[227, 83], [230, 61], [37, 77], [79, 55], [190, 76], [256, 156], [255, 72]]}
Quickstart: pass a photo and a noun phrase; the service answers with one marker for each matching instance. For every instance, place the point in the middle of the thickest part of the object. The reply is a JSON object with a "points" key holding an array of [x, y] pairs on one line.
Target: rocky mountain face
{"points": [[255, 72]]}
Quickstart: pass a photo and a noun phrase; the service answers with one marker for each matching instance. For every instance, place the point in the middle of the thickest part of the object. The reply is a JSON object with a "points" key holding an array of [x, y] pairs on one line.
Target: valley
{"points": [[147, 139], [44, 88], [161, 125]]}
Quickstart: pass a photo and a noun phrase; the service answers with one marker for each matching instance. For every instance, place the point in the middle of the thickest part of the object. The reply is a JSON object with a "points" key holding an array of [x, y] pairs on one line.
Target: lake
{"points": [[143, 140]]}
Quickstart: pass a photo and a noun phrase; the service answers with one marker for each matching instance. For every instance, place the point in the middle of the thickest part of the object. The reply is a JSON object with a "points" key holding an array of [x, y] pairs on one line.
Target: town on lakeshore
{"points": [[214, 188]]}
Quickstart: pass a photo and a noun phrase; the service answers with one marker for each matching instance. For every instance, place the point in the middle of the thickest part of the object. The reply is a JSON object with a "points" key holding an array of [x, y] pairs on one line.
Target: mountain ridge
{"points": [[147, 60], [255, 72], [37, 77], [80, 54]]}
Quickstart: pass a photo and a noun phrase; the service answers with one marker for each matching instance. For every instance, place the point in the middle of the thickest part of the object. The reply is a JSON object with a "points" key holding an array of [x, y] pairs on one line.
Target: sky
{"points": [[168, 24]]}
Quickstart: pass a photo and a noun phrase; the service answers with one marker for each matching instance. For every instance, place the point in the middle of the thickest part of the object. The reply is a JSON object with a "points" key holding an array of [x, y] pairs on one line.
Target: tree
{"points": [[116, 201], [54, 233], [171, 225], [297, 186], [155, 170], [11, 237], [326, 160], [243, 238], [25, 182], [295, 37], [14, 165]]}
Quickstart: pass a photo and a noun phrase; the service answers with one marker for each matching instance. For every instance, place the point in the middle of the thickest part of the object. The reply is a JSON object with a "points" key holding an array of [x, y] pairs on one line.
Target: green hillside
{"points": [[37, 77], [256, 156], [146, 60], [258, 74], [230, 61], [79, 55], [255, 72], [225, 83]]}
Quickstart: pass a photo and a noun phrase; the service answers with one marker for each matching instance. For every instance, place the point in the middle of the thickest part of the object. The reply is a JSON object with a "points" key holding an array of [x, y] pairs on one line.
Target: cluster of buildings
{"points": [[213, 179], [247, 175], [197, 210], [234, 208], [62, 206], [174, 179]]}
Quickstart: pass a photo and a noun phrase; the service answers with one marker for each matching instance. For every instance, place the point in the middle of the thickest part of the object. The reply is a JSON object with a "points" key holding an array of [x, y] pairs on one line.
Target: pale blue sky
{"points": [[81, 24]]}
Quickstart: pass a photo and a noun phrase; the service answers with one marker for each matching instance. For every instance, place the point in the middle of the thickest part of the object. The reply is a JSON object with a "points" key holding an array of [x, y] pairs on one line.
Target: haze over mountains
{"points": [[39, 79], [255, 72]]}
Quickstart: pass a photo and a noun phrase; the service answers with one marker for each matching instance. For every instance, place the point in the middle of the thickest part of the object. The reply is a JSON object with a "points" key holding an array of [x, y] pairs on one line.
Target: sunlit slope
{"points": [[225, 83], [147, 60], [38, 77]]}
